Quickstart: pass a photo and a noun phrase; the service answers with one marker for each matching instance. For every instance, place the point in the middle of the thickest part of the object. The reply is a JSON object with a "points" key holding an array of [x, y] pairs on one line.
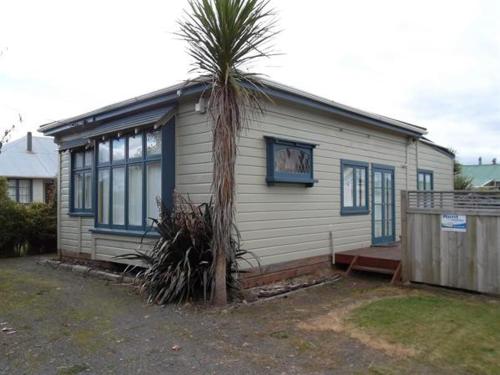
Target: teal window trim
{"points": [[424, 173], [273, 176], [356, 208], [166, 159], [84, 169]]}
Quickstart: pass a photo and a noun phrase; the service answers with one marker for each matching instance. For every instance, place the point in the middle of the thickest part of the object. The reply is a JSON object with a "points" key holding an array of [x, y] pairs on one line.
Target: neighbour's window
{"points": [[425, 180], [20, 190], [354, 187], [81, 180], [289, 162], [129, 180]]}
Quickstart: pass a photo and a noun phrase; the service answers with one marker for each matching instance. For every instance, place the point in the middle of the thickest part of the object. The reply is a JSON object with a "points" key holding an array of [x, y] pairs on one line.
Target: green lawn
{"points": [[459, 333]]}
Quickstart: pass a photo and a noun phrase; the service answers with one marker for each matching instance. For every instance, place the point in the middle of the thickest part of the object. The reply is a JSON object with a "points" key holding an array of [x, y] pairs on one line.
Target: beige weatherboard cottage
{"points": [[314, 177]]}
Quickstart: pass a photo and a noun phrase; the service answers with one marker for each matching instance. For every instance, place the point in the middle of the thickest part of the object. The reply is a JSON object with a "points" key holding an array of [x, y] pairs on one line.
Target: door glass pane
{"points": [[377, 195], [103, 150], [118, 149], [153, 190], [135, 146], [88, 190], [135, 194], [78, 160], [77, 190], [378, 229], [153, 142], [348, 187], [119, 196], [103, 196], [88, 158], [389, 228], [378, 212], [377, 179]]}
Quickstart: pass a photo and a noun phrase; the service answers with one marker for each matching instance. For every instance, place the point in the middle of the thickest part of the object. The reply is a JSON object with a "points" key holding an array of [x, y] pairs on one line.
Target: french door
{"points": [[383, 210]]}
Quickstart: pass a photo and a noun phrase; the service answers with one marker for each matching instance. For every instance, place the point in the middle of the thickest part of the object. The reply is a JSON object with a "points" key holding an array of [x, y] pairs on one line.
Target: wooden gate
{"points": [[451, 238]]}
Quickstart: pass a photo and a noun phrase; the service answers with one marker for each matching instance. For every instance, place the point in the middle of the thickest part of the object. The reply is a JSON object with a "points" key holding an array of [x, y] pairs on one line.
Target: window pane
{"points": [[24, 191], [348, 186], [77, 190], [103, 196], [103, 150], [12, 189], [118, 149], [135, 146], [88, 158], [118, 196], [360, 187], [420, 182], [135, 195], [153, 142], [291, 160], [88, 190], [428, 183], [153, 189]]}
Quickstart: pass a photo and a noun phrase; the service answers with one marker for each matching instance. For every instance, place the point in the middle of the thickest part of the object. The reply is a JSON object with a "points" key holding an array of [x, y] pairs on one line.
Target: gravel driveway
{"points": [[66, 323]]}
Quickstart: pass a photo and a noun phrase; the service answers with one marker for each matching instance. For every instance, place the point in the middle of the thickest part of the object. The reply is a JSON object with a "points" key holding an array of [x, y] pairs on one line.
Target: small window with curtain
{"points": [[20, 190], [354, 187], [81, 181], [129, 183], [425, 180]]}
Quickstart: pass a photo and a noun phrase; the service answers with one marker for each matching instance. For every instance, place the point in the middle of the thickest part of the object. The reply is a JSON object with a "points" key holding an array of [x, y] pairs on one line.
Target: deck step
{"points": [[373, 269]]}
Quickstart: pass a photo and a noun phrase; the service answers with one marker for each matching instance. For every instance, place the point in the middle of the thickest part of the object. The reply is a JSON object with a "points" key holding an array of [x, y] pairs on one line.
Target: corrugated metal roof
{"points": [[16, 161], [482, 174], [274, 88]]}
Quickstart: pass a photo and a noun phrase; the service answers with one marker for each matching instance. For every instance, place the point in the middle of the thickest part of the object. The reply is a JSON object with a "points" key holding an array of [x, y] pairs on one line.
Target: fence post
{"points": [[405, 259]]}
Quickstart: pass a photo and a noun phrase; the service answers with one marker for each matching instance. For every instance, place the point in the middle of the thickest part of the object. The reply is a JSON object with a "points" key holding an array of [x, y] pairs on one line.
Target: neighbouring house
{"points": [[486, 176], [314, 177], [30, 166]]}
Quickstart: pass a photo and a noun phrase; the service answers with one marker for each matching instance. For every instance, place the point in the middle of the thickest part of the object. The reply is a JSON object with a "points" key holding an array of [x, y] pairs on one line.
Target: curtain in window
{"points": [[103, 196], [24, 191], [153, 175], [119, 196], [135, 195]]}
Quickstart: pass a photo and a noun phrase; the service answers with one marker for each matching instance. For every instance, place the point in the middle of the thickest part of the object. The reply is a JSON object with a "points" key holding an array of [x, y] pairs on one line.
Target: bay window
{"points": [[129, 183], [354, 187]]}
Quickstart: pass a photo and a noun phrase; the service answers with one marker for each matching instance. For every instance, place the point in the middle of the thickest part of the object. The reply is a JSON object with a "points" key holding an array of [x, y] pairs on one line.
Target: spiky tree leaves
{"points": [[224, 37]]}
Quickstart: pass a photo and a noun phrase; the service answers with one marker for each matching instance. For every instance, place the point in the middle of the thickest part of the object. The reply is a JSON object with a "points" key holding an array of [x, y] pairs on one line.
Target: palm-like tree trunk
{"points": [[223, 36]]}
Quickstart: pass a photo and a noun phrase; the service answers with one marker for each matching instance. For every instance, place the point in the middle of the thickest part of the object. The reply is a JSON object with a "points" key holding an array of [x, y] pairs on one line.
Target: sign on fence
{"points": [[453, 223]]}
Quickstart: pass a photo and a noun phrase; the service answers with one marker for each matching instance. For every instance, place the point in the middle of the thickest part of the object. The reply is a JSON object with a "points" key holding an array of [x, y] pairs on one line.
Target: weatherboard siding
{"points": [[286, 222], [439, 163]]}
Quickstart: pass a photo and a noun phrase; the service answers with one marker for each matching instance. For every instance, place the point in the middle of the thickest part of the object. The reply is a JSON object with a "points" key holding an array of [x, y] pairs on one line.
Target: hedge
{"points": [[26, 228]]}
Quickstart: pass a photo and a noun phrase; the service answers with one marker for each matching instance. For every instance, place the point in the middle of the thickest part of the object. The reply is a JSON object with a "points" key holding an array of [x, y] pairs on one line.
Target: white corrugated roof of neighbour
{"points": [[41, 162]]}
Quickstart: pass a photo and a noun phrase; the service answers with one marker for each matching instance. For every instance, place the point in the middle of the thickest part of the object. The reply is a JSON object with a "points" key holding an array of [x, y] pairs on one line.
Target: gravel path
{"points": [[68, 324]]}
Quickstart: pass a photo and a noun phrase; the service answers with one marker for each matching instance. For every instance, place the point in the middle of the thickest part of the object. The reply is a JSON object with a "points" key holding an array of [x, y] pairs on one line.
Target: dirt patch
{"points": [[336, 320]]}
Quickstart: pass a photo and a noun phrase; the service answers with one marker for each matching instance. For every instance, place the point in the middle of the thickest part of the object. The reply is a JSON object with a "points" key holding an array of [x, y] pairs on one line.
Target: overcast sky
{"points": [[431, 63]]}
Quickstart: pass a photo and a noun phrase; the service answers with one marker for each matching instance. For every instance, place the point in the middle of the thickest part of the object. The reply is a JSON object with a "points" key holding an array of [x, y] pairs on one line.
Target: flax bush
{"points": [[180, 265]]}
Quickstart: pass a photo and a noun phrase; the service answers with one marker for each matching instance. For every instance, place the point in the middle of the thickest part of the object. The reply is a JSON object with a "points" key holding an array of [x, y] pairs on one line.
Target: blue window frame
{"points": [[425, 180], [289, 161], [20, 190], [354, 187], [81, 182], [135, 174]]}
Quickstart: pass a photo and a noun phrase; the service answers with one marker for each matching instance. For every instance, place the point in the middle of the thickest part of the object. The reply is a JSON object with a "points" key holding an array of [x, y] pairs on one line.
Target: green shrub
{"points": [[180, 265], [25, 229]]}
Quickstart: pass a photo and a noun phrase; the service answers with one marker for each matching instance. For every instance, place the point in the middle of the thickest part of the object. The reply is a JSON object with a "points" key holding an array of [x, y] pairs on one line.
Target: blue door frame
{"points": [[384, 216]]}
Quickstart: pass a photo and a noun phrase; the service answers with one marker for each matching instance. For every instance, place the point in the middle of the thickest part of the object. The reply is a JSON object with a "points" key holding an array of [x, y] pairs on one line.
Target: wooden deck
{"points": [[374, 259]]}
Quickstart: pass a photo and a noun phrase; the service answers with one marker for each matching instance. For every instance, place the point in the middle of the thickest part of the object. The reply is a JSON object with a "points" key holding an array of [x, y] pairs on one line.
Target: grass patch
{"points": [[454, 332]]}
